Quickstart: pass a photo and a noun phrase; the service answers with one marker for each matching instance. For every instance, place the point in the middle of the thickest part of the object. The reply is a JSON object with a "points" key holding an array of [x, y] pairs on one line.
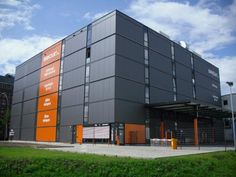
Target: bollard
{"points": [[174, 143]]}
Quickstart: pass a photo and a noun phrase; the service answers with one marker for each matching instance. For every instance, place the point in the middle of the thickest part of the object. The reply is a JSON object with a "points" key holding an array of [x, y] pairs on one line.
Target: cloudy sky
{"points": [[208, 26]]}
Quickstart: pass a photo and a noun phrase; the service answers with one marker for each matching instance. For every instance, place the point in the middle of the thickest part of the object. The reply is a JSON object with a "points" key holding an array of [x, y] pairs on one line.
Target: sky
{"points": [[207, 26]]}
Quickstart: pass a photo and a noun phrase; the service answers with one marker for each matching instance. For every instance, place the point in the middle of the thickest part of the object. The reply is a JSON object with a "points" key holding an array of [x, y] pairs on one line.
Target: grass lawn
{"points": [[24, 161]]}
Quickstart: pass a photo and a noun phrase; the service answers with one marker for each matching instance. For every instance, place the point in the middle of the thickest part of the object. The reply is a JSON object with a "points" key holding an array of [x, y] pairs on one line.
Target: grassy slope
{"points": [[28, 161]]}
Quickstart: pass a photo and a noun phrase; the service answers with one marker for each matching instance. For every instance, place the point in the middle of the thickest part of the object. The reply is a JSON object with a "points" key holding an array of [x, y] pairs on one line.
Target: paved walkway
{"points": [[125, 151]]}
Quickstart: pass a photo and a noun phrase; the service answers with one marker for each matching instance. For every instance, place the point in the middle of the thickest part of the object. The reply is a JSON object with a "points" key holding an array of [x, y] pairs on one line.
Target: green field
{"points": [[19, 161]]}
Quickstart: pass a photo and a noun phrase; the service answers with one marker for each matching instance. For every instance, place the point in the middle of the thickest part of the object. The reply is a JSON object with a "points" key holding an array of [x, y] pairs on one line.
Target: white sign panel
{"points": [[100, 132]]}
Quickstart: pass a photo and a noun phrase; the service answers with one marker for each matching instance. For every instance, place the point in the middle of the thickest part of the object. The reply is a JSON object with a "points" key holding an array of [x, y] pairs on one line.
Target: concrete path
{"points": [[124, 151]]}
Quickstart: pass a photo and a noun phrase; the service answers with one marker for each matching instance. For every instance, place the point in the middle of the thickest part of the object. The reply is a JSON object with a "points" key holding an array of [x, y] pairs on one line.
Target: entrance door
{"points": [[79, 134], [73, 129]]}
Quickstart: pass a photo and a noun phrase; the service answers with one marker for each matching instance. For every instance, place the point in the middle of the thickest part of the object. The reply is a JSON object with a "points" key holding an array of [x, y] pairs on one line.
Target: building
{"points": [[226, 104], [116, 80], [6, 90]]}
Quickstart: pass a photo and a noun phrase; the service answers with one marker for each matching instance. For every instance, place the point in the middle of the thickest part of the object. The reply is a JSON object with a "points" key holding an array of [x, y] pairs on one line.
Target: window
{"points": [[175, 97], [194, 92], [173, 71], [145, 53], [89, 35], [87, 71], [146, 92], [225, 102], [192, 62], [145, 37], [86, 90], [87, 60], [147, 96], [86, 111], [88, 53], [172, 51], [146, 72]]}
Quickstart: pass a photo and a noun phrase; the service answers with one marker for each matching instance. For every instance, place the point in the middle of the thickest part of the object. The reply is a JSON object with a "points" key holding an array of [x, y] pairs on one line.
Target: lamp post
{"points": [[230, 84], [3, 93]]}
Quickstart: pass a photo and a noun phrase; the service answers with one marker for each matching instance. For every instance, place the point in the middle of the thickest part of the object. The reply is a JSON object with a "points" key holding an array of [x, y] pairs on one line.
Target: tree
{"points": [[4, 121]]}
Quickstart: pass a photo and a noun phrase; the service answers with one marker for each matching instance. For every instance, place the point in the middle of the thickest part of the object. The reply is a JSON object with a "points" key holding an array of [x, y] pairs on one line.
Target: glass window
{"points": [[146, 72], [87, 71], [87, 60], [192, 61], [174, 85], [145, 43], [194, 92], [88, 52], [225, 102], [89, 35], [146, 92], [175, 97], [172, 51], [146, 62], [86, 111], [86, 90], [145, 35], [87, 79], [145, 53]]}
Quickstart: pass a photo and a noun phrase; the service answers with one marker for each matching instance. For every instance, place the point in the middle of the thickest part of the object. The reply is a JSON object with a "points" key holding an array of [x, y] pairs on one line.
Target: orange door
{"points": [[134, 134], [46, 134], [79, 134]]}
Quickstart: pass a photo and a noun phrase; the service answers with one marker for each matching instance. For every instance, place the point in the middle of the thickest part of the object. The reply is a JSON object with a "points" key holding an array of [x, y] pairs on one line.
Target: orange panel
{"points": [[48, 102], [162, 129], [79, 134], [195, 131], [47, 118], [134, 134], [48, 86], [49, 71], [46, 134], [51, 54]]}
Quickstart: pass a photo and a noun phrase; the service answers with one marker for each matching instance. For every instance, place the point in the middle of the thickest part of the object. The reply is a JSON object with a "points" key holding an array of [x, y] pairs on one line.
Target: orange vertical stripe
{"points": [[195, 131], [79, 134], [162, 129]]}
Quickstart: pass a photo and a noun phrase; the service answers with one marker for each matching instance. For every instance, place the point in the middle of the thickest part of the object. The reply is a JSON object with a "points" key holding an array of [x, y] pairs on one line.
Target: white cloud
{"points": [[18, 50], [199, 25], [205, 26], [90, 16], [227, 69], [14, 12]]}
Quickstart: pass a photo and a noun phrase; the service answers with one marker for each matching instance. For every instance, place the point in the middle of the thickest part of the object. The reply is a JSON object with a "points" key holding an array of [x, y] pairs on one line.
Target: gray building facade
{"points": [[102, 77]]}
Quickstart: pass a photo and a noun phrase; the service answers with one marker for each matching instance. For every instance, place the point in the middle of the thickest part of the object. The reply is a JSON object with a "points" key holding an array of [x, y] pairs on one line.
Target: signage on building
{"points": [[51, 54], [48, 86], [50, 71], [47, 102], [46, 118], [213, 73]]}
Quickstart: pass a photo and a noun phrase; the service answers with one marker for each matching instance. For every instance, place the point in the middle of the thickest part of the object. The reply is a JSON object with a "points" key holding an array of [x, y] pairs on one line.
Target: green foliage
{"points": [[5, 119], [26, 162]]}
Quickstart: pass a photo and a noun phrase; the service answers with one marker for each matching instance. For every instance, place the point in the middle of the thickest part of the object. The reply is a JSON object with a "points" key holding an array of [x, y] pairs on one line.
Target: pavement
{"points": [[121, 151]]}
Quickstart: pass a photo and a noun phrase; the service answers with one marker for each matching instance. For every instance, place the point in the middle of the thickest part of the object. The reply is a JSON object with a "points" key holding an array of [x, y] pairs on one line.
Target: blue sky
{"points": [[208, 26]]}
